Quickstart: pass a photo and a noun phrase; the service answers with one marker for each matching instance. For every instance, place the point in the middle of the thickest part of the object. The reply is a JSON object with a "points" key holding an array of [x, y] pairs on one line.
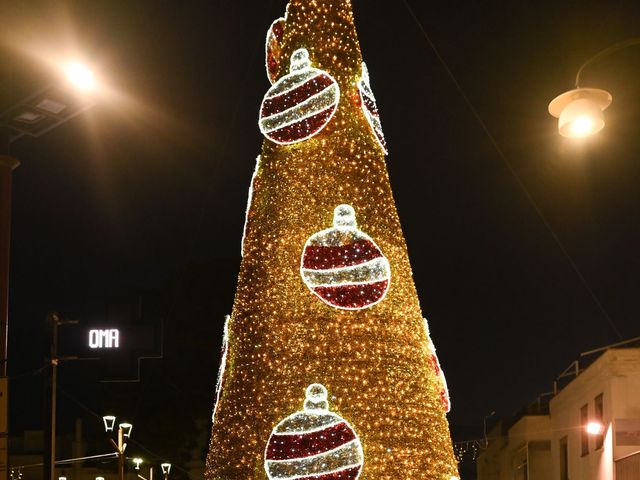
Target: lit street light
{"points": [[580, 111], [124, 432], [594, 428], [166, 469], [33, 116], [80, 76]]}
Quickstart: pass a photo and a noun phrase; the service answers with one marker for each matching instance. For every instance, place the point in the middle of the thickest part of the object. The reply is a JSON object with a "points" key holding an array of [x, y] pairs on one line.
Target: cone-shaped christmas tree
{"points": [[328, 370]]}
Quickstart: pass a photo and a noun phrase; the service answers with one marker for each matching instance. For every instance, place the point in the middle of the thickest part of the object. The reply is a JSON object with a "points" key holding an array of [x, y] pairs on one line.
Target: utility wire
{"points": [[29, 373], [511, 170], [104, 456]]}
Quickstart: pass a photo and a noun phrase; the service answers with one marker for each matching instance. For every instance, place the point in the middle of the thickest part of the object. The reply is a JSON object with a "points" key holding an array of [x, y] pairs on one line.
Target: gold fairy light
{"points": [[315, 315]]}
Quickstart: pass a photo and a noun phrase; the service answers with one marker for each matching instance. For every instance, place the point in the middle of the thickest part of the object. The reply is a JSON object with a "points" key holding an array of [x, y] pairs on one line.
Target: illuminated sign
{"points": [[109, 338]]}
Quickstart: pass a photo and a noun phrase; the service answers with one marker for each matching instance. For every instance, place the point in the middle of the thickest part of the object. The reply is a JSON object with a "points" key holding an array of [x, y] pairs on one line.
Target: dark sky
{"points": [[132, 192]]}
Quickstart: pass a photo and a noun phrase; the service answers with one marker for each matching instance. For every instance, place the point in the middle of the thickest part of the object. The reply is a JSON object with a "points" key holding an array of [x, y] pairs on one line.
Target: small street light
{"points": [[166, 469], [137, 461], [594, 428], [80, 76], [126, 429], [124, 432], [580, 111], [109, 422]]}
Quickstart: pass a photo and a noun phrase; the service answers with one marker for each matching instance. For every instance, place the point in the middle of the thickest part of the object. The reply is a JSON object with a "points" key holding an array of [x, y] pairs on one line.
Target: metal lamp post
{"points": [[53, 322], [123, 433], [7, 165], [33, 116]]}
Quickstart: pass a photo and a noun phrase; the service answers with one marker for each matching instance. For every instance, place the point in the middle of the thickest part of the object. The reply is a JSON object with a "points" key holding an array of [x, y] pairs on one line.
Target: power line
{"points": [[511, 170]]}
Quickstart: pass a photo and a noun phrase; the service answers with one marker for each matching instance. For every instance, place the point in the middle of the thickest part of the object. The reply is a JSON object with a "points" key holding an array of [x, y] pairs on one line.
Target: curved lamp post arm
{"points": [[605, 53]]}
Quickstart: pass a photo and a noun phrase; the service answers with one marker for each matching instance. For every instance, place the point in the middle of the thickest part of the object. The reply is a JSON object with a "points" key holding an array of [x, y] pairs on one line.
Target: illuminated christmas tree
{"points": [[328, 370]]}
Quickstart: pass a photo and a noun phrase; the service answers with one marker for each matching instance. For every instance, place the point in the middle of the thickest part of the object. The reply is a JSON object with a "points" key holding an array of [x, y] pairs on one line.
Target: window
{"points": [[564, 459], [584, 436], [599, 417]]}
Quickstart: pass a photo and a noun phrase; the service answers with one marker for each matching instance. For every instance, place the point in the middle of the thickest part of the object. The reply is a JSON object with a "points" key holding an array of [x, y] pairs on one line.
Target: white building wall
{"points": [[615, 375], [527, 443]]}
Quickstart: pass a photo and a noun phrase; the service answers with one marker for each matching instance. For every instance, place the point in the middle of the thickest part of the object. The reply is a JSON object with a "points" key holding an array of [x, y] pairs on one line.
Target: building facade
{"points": [[589, 430]]}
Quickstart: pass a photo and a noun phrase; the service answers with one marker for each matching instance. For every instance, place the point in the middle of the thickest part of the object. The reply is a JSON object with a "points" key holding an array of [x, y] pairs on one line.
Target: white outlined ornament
{"points": [[435, 365], [343, 266], [314, 444], [370, 108], [273, 47], [300, 104]]}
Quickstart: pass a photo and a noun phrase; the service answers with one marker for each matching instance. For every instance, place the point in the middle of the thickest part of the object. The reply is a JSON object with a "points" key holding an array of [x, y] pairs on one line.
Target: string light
{"points": [[466, 450], [223, 365], [370, 107], [435, 364], [249, 200], [373, 361]]}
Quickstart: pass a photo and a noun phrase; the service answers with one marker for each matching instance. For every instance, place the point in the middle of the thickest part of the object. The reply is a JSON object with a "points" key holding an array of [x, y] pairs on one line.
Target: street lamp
{"points": [[166, 469], [34, 116], [109, 422], [80, 76], [594, 428], [580, 111], [53, 321], [124, 432]]}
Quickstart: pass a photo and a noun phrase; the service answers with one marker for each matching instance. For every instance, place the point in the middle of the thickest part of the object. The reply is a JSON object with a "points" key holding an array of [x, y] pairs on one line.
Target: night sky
{"points": [[151, 184]]}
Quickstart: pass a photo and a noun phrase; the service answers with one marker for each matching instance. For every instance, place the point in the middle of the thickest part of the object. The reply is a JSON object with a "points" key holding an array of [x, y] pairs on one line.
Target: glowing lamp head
{"points": [[137, 461], [580, 111], [126, 429], [109, 422], [166, 468], [594, 428], [80, 76]]}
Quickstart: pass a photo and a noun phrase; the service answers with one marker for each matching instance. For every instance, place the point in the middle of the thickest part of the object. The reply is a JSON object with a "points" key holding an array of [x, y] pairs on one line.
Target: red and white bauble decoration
{"points": [[370, 108], [343, 266], [314, 444], [300, 104], [273, 47], [435, 366]]}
